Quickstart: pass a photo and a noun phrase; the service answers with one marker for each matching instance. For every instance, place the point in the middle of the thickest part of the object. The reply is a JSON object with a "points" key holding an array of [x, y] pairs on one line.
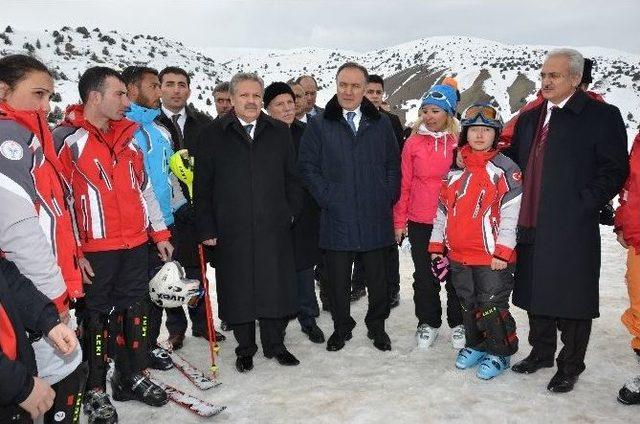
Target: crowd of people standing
{"points": [[277, 193]]}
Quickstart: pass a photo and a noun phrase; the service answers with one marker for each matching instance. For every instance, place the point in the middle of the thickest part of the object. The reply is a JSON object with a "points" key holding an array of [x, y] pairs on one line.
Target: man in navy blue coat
{"points": [[349, 161]]}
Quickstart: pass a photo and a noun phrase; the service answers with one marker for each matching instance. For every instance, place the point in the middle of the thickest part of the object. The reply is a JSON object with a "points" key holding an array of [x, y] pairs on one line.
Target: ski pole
{"points": [[213, 345]]}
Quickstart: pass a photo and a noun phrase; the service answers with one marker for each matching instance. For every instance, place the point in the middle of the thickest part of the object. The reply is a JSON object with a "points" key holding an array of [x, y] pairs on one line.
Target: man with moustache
{"points": [[572, 150], [184, 123], [280, 104], [349, 162], [247, 196], [222, 98], [310, 87]]}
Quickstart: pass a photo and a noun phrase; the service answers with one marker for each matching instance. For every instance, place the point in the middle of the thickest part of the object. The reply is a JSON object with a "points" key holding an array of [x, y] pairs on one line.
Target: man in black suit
{"points": [[184, 123]]}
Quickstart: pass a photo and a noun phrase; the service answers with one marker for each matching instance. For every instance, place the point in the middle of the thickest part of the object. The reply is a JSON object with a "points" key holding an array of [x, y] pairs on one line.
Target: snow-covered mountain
{"points": [[485, 70]]}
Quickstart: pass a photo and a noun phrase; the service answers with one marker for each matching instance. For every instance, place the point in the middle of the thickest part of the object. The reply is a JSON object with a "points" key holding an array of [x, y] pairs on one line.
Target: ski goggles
{"points": [[481, 114], [438, 96]]}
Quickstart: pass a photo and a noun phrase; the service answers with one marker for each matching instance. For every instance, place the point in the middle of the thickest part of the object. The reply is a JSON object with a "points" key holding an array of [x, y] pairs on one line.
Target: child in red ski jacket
{"points": [[476, 226]]}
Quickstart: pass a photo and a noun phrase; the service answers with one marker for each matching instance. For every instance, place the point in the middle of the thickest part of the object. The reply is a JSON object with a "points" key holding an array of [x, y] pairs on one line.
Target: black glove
{"points": [[606, 215]]}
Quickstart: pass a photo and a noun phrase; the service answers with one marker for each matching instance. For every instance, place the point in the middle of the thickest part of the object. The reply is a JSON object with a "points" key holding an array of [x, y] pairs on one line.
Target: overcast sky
{"points": [[344, 24]]}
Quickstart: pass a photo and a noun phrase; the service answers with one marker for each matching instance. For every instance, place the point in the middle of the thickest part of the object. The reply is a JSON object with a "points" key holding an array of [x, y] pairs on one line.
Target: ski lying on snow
{"points": [[195, 376], [193, 404]]}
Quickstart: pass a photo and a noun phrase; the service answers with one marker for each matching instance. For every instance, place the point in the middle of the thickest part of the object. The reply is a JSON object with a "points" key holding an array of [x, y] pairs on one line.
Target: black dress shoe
{"points": [[219, 336], [380, 339], [562, 383], [314, 333], [358, 294], [337, 339], [531, 364], [285, 358], [244, 363]]}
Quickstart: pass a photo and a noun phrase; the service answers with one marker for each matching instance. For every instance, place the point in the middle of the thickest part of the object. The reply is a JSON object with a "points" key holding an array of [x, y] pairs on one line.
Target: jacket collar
{"points": [[231, 119], [121, 130], [473, 159], [333, 111], [140, 114]]}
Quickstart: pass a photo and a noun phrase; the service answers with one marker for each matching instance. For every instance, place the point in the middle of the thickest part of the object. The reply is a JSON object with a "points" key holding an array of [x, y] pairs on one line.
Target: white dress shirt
{"points": [[253, 129], [550, 105], [181, 121]]}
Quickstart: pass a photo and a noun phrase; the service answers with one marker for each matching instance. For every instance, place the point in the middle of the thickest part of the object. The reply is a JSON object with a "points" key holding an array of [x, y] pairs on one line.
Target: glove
{"points": [[440, 268], [606, 215]]}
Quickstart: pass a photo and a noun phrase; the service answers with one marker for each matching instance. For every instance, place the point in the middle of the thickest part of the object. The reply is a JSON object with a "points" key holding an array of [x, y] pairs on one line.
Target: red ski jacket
{"points": [[113, 199], [34, 174], [478, 209], [426, 159], [627, 218]]}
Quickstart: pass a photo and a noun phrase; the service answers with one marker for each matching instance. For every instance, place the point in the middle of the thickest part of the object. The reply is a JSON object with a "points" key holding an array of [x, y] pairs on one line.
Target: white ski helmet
{"points": [[169, 288]]}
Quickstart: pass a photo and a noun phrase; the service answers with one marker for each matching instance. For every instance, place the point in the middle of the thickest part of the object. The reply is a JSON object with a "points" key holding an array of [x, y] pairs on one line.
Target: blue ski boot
{"points": [[492, 366], [468, 358]]}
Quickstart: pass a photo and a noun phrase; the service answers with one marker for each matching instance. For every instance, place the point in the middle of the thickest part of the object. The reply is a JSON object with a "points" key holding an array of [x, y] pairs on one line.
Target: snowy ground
{"points": [[360, 384]]}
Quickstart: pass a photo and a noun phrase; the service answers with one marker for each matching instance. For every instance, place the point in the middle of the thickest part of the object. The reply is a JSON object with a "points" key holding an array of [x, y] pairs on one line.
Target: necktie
{"points": [[174, 119], [248, 129], [352, 125], [544, 132]]}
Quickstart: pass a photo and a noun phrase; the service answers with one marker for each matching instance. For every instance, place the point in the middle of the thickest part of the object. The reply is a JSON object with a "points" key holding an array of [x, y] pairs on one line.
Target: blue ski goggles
{"points": [[483, 115]]}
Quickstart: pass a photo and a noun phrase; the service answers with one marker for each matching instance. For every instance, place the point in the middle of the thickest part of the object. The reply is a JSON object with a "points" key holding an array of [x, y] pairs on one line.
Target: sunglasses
{"points": [[438, 96]]}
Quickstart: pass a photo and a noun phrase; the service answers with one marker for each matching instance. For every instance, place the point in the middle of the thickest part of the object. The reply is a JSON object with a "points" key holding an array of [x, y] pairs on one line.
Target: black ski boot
{"points": [[630, 392], [137, 387], [98, 408]]}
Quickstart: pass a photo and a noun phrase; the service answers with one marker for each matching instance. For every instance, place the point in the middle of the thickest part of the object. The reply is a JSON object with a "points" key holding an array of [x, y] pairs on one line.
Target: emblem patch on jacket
{"points": [[11, 150]]}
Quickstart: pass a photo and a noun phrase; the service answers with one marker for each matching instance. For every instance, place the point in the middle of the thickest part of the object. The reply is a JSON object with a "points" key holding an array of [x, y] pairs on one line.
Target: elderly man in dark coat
{"points": [[349, 161], [279, 100], [573, 153], [247, 196]]}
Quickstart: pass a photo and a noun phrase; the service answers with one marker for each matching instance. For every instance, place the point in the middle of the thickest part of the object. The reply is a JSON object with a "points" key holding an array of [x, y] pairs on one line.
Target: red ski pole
{"points": [[213, 345]]}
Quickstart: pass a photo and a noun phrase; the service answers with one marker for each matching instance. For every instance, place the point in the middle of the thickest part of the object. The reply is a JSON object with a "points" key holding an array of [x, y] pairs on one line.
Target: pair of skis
{"points": [[203, 382]]}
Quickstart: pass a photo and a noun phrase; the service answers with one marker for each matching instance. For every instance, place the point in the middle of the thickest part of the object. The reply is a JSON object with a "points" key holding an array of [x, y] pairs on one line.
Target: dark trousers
{"points": [[393, 272], [484, 295], [271, 336], [120, 279], [574, 334], [307, 298], [426, 287], [176, 318], [338, 270]]}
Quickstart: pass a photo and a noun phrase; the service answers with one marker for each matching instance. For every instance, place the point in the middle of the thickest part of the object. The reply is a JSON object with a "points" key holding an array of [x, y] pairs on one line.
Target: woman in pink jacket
{"points": [[426, 158]]}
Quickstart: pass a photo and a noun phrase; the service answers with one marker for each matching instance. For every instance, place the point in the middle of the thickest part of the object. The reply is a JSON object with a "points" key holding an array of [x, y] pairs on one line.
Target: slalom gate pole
{"points": [[213, 344]]}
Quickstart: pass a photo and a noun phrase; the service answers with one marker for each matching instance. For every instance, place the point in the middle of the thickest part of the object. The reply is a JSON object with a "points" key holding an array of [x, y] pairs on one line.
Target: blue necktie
{"points": [[248, 129], [352, 125]]}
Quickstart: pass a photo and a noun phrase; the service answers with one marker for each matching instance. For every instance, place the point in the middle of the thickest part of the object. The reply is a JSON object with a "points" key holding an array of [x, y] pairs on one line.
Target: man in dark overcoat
{"points": [[349, 161], [247, 196], [573, 154]]}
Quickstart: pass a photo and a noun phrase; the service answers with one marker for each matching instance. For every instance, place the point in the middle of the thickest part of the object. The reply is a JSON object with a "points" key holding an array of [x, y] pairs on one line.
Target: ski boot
{"points": [[492, 366], [98, 409], [137, 387], [630, 392], [469, 357]]}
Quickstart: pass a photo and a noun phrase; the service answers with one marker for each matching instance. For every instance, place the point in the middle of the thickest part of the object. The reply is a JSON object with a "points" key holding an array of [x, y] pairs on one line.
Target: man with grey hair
{"points": [[572, 150], [222, 98], [349, 162], [246, 197]]}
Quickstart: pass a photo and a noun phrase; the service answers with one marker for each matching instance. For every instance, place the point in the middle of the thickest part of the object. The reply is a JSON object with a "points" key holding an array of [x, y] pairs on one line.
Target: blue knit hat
{"points": [[442, 96]]}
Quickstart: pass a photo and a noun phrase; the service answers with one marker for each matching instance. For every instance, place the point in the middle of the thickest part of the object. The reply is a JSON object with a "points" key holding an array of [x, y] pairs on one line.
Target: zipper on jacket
{"points": [[103, 174], [132, 174], [85, 216]]}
